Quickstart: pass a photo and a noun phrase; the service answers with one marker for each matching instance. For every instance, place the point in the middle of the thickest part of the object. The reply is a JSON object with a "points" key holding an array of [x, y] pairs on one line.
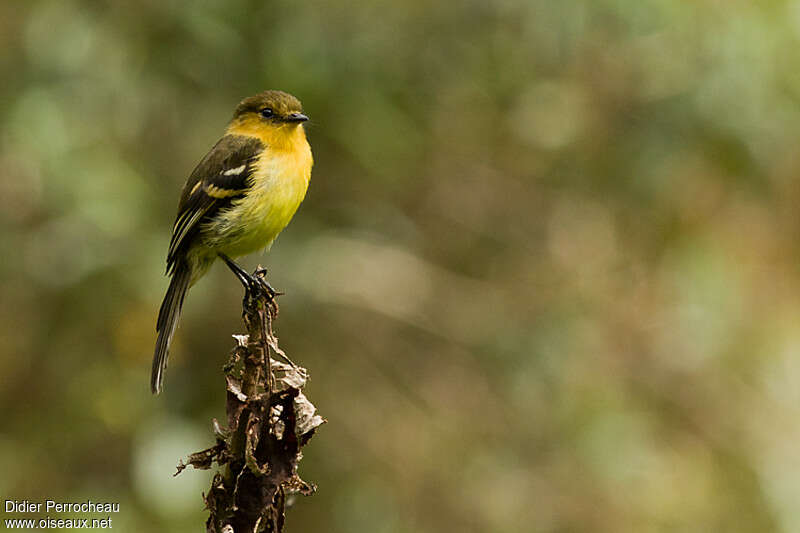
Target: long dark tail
{"points": [[167, 322]]}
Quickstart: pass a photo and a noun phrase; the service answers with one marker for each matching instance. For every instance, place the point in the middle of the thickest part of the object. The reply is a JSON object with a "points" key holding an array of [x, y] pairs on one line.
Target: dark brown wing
{"points": [[222, 176]]}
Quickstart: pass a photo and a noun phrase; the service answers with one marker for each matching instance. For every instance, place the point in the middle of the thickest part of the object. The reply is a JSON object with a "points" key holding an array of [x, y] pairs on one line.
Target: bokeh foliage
{"points": [[545, 278]]}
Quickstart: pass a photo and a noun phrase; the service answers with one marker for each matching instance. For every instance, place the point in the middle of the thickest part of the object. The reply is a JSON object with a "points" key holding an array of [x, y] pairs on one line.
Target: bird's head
{"points": [[271, 107], [268, 115]]}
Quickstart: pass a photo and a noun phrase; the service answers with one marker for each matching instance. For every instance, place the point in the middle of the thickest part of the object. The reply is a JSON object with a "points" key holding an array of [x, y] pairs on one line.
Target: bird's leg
{"points": [[254, 285], [245, 278]]}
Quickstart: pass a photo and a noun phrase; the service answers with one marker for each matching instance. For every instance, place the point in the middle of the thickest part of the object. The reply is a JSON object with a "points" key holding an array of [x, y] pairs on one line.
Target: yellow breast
{"points": [[278, 185]]}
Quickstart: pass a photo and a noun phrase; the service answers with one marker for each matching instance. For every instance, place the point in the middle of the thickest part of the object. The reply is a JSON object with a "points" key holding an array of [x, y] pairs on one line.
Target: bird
{"points": [[237, 200]]}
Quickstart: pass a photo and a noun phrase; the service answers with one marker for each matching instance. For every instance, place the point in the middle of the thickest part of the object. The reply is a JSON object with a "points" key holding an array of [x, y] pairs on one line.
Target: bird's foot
{"points": [[255, 286], [258, 288]]}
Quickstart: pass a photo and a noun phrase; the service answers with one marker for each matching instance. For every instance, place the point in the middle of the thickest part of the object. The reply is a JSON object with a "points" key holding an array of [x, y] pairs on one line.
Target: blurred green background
{"points": [[545, 278]]}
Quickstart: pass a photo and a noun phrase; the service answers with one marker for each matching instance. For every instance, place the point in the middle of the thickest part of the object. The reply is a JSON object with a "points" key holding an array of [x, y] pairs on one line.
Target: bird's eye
{"points": [[266, 112]]}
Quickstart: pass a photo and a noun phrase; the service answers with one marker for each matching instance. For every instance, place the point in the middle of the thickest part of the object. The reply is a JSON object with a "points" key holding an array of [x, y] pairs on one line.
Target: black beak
{"points": [[296, 117]]}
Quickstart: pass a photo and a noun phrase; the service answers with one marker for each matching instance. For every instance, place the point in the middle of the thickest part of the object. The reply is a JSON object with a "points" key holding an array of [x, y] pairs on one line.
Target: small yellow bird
{"points": [[236, 201]]}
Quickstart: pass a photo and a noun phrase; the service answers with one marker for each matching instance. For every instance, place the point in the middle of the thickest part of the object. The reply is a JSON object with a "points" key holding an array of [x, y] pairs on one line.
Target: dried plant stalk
{"points": [[269, 421]]}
